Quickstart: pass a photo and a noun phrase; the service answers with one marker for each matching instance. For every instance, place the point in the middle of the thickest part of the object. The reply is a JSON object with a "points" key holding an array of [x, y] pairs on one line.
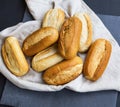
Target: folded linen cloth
{"points": [[109, 80]]}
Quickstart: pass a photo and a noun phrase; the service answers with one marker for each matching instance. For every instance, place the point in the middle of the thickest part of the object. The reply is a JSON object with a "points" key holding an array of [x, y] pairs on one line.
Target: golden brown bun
{"points": [[97, 59], [63, 72], [46, 58], [39, 40], [54, 18], [13, 57], [68, 42], [86, 34]]}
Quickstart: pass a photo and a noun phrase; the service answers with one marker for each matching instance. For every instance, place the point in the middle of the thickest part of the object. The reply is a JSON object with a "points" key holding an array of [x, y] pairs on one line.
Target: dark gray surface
{"points": [[17, 97], [11, 12], [64, 98], [109, 7], [113, 25], [118, 100]]}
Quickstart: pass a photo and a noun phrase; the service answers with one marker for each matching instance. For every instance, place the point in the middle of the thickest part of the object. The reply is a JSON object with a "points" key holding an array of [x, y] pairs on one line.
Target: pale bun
{"points": [[54, 18], [86, 34], [46, 58], [13, 57]]}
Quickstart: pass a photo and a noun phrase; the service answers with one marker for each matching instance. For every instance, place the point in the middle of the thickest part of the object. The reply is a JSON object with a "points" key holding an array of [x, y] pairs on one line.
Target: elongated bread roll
{"points": [[68, 43], [13, 57], [97, 59], [39, 40], [46, 58], [54, 18], [63, 72], [86, 34]]}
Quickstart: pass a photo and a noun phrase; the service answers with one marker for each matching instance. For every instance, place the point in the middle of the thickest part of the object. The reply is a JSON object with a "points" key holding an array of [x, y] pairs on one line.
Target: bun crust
{"points": [[97, 59], [46, 58], [54, 18], [39, 40], [68, 43], [86, 34], [13, 57], [63, 72]]}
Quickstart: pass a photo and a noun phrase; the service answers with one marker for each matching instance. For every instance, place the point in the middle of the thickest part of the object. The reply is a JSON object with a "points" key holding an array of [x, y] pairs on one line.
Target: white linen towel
{"points": [[110, 80]]}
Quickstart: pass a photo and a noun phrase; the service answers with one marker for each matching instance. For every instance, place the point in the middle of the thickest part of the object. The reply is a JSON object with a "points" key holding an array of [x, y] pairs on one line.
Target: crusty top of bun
{"points": [[54, 18], [97, 59], [86, 34], [40, 40], [14, 57], [68, 43]]}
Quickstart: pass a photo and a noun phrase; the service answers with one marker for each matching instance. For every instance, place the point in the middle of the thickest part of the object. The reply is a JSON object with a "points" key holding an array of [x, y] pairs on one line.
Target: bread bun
{"points": [[54, 18], [68, 43], [63, 72], [97, 59], [86, 34], [13, 57], [46, 58], [39, 40]]}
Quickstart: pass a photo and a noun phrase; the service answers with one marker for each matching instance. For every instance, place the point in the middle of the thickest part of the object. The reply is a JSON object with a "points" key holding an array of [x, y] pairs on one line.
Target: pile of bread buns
{"points": [[54, 47]]}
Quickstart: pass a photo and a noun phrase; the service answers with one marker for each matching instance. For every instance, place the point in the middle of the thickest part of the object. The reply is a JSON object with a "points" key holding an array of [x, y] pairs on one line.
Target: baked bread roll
{"points": [[39, 40], [13, 57], [86, 34], [63, 72], [46, 58], [54, 18], [68, 43], [97, 59]]}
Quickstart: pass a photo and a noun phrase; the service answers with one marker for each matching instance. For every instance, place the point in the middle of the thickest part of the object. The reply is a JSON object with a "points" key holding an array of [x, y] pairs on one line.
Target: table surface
{"points": [[8, 10]]}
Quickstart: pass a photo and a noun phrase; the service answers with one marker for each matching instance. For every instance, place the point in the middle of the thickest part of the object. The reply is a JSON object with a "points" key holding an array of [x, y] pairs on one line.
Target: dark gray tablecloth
{"points": [[109, 7], [23, 98], [17, 97]]}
